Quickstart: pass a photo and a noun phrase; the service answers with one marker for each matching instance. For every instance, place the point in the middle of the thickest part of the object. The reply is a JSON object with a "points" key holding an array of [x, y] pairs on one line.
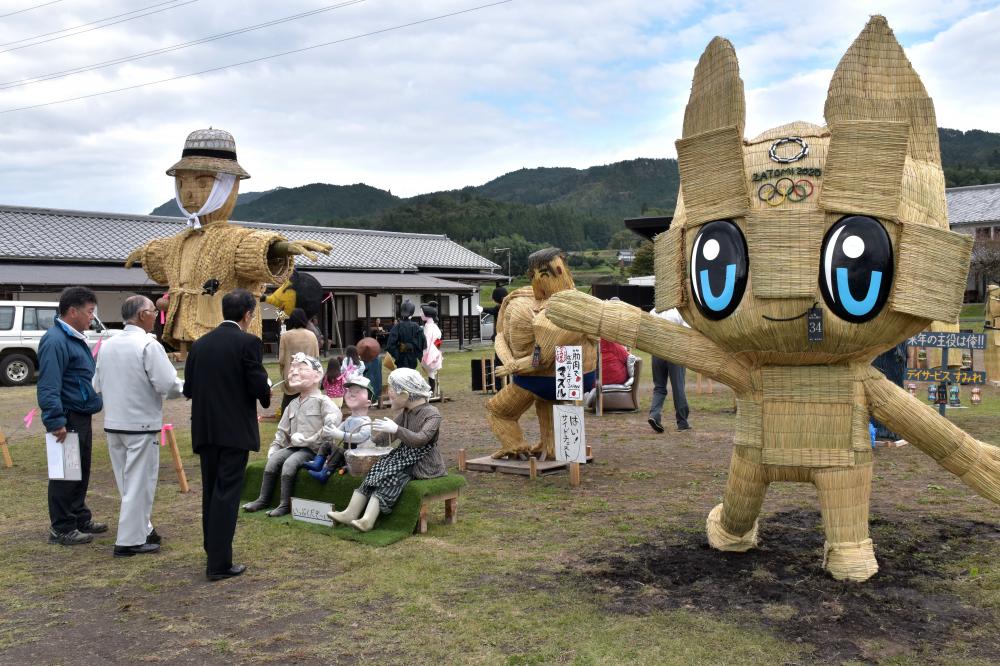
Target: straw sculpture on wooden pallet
{"points": [[211, 257], [992, 353], [765, 233], [526, 343]]}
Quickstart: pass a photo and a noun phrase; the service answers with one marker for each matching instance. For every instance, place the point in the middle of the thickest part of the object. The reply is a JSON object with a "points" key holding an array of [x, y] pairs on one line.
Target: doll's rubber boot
{"points": [[285, 507], [266, 489], [366, 522], [721, 539], [322, 475], [316, 464], [353, 510]]}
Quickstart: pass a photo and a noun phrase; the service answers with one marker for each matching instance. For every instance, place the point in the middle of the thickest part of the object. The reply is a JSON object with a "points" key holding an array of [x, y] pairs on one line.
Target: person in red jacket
{"points": [[614, 363]]}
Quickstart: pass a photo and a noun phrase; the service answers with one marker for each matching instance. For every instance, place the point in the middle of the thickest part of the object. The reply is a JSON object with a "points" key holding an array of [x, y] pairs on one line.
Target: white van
{"points": [[22, 324]]}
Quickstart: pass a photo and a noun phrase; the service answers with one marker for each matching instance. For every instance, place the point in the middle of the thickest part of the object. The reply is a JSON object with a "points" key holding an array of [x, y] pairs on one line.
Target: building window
{"points": [[6, 317], [983, 233]]}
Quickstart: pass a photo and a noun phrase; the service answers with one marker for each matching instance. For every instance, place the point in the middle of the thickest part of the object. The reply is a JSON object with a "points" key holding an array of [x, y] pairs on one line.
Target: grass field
{"points": [[613, 572]]}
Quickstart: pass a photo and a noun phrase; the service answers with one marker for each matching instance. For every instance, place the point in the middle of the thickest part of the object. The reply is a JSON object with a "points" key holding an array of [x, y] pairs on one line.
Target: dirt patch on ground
{"points": [[907, 608]]}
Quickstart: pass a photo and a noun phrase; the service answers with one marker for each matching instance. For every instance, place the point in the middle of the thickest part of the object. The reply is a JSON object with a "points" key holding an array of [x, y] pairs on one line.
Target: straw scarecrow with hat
{"points": [[211, 257], [526, 342], [768, 231]]}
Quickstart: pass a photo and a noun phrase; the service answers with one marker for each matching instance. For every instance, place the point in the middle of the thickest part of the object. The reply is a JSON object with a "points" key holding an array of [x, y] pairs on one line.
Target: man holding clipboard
{"points": [[68, 402]]}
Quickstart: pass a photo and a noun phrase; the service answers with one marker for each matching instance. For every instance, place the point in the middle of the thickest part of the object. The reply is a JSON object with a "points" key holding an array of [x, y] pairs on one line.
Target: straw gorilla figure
{"points": [[767, 230]]}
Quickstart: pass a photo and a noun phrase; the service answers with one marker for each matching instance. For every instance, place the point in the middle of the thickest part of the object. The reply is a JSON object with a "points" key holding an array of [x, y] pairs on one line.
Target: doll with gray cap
{"points": [[416, 427], [211, 257], [308, 422], [354, 432]]}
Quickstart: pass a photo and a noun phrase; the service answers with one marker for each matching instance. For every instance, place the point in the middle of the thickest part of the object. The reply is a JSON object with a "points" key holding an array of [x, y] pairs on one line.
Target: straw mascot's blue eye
{"points": [[718, 269], [856, 268]]}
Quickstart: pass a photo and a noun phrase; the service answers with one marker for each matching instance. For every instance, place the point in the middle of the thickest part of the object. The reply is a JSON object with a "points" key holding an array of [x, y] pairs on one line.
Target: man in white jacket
{"points": [[134, 376]]}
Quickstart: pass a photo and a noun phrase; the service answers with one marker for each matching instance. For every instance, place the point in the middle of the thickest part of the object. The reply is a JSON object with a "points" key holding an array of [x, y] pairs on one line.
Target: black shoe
{"points": [[90, 527], [654, 424], [683, 428], [153, 537], [71, 538], [141, 549], [231, 572]]}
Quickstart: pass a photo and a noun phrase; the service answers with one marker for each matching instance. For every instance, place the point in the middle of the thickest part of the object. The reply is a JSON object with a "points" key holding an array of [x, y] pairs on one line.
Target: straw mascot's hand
{"points": [[575, 311], [305, 247]]}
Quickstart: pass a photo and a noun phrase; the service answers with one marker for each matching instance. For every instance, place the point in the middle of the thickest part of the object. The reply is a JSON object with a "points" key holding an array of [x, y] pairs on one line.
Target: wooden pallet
{"points": [[521, 467]]}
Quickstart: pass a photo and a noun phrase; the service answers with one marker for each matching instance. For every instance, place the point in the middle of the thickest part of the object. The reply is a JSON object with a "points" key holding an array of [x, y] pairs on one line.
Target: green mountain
{"points": [[623, 189], [316, 203], [970, 158]]}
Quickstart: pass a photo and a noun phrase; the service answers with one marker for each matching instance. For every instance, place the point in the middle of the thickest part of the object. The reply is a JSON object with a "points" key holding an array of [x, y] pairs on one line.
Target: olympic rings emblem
{"points": [[803, 150], [794, 191]]}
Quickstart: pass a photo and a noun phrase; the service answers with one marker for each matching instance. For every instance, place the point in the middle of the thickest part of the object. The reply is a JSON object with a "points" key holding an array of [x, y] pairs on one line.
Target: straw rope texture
{"points": [[803, 407], [992, 352], [235, 256], [522, 324]]}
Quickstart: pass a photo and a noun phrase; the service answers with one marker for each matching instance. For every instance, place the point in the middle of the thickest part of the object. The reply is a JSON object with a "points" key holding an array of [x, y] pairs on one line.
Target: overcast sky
{"points": [[438, 105]]}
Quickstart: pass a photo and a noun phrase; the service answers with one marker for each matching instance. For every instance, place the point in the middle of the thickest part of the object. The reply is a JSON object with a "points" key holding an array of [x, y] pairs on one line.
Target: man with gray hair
{"points": [[134, 376]]}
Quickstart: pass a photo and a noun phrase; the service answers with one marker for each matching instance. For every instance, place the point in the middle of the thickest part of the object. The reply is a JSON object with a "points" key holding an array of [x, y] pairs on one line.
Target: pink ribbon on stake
{"points": [[163, 433], [163, 313], [97, 347], [29, 417]]}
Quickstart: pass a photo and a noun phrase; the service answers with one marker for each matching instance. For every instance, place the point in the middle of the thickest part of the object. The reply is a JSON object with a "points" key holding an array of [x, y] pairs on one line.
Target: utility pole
{"points": [[507, 250]]}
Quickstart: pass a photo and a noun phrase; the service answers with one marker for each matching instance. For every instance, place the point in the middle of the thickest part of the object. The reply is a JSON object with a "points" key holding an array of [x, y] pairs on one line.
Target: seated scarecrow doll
{"points": [[354, 432], [416, 427], [309, 420]]}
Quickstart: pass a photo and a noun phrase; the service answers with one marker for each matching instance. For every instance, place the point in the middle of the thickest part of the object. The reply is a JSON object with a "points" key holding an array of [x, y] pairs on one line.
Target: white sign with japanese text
{"points": [[571, 441], [311, 511], [569, 372]]}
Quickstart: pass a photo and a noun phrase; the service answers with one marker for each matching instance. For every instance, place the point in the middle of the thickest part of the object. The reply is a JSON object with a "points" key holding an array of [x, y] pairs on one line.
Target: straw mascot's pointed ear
{"points": [[876, 82], [710, 155], [884, 161], [878, 112]]}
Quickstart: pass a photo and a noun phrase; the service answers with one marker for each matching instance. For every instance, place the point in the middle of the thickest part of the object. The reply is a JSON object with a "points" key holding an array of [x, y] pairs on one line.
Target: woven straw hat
{"points": [[210, 150]]}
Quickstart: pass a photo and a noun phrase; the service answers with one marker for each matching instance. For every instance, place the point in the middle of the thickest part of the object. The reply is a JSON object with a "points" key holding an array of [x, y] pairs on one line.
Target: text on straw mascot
{"points": [[212, 257], [846, 222], [526, 342]]}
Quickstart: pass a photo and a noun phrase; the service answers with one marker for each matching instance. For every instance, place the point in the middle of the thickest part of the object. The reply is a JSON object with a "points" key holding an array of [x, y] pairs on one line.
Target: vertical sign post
{"points": [[571, 442]]}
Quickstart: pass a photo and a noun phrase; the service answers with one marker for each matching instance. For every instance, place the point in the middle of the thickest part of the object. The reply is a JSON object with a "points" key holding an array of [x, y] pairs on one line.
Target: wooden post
{"points": [[590, 451], [711, 386], [7, 462], [574, 474], [451, 510], [599, 408], [482, 372], [697, 383], [176, 454], [532, 467], [461, 460]]}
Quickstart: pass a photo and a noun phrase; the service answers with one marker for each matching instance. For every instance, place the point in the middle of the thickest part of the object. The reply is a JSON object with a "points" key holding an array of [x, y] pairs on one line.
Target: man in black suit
{"points": [[224, 378]]}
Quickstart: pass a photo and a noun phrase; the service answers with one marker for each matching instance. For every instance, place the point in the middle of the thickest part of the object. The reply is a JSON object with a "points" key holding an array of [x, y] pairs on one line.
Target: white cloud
{"points": [[438, 105]]}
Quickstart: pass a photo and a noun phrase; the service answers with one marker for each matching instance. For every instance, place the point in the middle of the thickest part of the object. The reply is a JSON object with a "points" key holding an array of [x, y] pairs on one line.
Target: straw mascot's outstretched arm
{"points": [[976, 463], [632, 327]]}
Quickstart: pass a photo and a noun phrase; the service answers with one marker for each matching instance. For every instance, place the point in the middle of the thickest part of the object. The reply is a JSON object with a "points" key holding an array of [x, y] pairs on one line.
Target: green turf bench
{"points": [[408, 516]]}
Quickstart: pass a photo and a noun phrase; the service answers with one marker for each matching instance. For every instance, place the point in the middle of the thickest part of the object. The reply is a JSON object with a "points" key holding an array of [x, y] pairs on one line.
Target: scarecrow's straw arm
{"points": [[632, 327]]}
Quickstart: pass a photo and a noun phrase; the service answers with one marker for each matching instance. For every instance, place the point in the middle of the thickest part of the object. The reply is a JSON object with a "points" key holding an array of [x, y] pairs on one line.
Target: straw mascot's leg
{"points": [[844, 497], [546, 430], [502, 412], [732, 525]]}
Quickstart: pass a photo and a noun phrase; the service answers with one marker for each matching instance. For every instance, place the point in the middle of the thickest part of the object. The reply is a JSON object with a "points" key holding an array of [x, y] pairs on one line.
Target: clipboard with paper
{"points": [[64, 458]]}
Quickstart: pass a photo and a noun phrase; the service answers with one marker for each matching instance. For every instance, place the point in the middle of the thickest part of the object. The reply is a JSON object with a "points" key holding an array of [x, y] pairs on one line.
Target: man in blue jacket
{"points": [[68, 401]]}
